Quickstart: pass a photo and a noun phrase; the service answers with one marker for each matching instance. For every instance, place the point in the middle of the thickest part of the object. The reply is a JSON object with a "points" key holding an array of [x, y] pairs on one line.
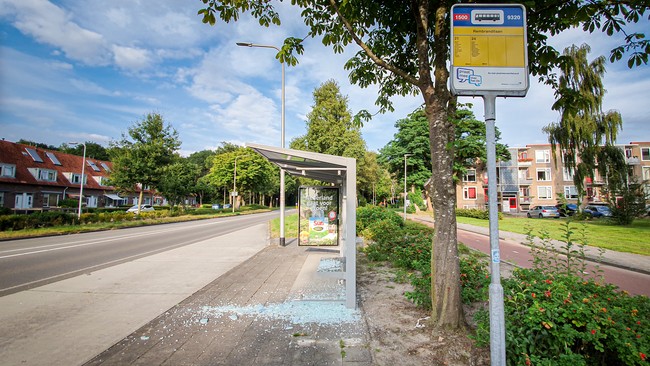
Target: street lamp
{"points": [[282, 193], [405, 156], [83, 171], [234, 186]]}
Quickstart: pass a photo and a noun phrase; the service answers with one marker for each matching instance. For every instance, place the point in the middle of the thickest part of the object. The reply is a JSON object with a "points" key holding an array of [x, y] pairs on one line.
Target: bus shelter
{"points": [[341, 172]]}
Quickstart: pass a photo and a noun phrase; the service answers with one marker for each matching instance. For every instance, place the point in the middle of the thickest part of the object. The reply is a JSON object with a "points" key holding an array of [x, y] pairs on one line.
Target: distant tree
{"points": [[178, 181], [254, 173], [93, 150], [412, 137], [329, 125], [37, 144], [141, 156], [202, 159], [585, 134], [373, 179]]}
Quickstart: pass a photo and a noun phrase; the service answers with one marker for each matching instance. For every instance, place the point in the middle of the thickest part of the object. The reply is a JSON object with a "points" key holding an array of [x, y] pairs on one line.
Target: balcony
{"points": [[634, 160], [525, 161], [525, 200], [525, 181]]}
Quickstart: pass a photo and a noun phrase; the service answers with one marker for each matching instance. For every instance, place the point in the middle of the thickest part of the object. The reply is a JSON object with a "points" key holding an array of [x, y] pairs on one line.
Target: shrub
{"points": [[416, 199], [372, 214], [475, 213], [556, 317]]}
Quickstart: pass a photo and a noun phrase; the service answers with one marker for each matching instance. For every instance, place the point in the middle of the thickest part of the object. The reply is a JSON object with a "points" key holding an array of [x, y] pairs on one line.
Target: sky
{"points": [[87, 70]]}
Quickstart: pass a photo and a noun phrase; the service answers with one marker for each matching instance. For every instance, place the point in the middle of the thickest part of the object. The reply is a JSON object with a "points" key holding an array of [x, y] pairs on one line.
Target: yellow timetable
{"points": [[493, 46]]}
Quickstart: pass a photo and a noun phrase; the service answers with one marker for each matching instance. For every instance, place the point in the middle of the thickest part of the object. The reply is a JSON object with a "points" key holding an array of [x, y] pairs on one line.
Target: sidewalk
{"points": [[632, 262], [274, 309]]}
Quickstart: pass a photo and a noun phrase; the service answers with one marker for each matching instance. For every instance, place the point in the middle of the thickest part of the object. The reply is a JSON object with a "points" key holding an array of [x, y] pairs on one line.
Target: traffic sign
{"points": [[488, 50]]}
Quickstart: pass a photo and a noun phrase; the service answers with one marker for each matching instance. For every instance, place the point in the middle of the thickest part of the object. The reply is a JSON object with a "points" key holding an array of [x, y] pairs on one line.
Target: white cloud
{"points": [[51, 25], [131, 58]]}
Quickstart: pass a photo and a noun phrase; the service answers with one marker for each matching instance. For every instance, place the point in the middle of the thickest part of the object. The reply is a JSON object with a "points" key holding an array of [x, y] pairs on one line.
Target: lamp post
{"points": [[282, 193], [234, 186], [83, 172], [405, 156]]}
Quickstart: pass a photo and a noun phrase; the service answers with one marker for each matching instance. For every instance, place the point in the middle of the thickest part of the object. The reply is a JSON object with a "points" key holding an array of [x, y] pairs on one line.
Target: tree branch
{"points": [[377, 60]]}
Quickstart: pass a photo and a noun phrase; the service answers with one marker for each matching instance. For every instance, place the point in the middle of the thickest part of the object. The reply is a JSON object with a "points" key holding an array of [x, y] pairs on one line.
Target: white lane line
{"points": [[62, 246]]}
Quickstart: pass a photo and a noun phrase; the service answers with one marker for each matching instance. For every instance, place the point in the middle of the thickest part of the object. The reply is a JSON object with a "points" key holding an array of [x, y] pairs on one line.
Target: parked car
{"points": [[143, 208], [543, 211], [216, 206], [567, 209], [227, 205], [597, 211]]}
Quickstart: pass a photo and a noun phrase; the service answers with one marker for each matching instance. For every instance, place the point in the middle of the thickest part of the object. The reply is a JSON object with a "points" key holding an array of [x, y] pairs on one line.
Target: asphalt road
{"points": [[510, 251], [29, 263]]}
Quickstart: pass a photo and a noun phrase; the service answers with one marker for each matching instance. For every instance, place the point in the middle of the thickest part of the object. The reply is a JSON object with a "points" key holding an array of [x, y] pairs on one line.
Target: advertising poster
{"points": [[319, 216]]}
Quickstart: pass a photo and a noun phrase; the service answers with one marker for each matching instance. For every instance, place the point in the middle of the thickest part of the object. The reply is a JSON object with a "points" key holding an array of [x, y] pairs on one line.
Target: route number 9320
{"points": [[514, 17]]}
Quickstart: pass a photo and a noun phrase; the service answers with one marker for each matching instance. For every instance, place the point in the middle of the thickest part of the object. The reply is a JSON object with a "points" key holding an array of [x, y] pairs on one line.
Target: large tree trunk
{"points": [[445, 267], [447, 309]]}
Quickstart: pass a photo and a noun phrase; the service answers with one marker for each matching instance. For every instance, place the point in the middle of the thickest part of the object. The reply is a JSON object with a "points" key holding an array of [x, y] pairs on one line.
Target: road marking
{"points": [[86, 242]]}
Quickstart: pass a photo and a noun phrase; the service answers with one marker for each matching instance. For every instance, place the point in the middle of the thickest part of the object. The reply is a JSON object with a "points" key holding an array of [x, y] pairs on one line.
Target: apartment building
{"points": [[534, 177], [35, 179]]}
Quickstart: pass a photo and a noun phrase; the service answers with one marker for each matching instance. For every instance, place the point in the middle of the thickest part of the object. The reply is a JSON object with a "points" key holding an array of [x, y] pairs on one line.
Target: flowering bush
{"points": [[566, 320], [556, 317]]}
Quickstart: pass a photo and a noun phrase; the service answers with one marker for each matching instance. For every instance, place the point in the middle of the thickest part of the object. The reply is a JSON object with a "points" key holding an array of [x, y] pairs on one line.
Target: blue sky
{"points": [[86, 70]]}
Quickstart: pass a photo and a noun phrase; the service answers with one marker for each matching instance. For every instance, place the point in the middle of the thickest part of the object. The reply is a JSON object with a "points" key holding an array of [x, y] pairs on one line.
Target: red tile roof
{"points": [[16, 154]]}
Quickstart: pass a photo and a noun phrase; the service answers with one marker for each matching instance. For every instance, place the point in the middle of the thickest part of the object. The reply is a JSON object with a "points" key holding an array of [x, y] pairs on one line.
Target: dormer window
{"points": [[7, 170], [76, 178], [46, 175]]}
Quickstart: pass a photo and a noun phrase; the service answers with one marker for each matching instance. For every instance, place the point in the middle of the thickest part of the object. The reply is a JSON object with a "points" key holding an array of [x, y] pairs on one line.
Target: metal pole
{"points": [[234, 186], [83, 172], [282, 187], [497, 315]]}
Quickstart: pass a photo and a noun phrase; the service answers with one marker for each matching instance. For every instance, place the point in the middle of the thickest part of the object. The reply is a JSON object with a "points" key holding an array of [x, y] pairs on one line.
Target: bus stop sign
{"points": [[488, 50]]}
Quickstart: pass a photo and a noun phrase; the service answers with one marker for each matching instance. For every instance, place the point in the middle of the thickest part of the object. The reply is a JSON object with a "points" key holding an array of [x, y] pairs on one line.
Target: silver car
{"points": [[543, 211], [143, 208]]}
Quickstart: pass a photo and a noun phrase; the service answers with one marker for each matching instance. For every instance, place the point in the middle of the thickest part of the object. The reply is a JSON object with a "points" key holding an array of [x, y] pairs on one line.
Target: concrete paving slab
{"points": [[250, 317]]}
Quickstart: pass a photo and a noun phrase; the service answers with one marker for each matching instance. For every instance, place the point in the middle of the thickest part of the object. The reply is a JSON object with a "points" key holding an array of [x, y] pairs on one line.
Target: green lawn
{"points": [[290, 226], [634, 238]]}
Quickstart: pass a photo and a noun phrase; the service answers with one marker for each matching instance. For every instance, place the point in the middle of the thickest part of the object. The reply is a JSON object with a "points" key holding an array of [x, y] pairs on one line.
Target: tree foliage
{"points": [[254, 173], [413, 137], [585, 134], [141, 156], [404, 49], [179, 181]]}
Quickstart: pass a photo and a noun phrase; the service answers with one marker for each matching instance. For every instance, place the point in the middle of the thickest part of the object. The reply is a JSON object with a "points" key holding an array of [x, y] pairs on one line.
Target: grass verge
{"points": [[634, 238]]}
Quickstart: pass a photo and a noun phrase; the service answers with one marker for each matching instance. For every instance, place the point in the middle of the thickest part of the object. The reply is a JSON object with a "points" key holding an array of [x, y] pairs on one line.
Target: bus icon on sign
{"points": [[487, 17]]}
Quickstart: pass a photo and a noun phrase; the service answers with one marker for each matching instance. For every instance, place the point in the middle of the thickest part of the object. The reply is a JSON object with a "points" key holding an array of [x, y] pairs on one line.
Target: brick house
{"points": [[35, 179], [532, 178]]}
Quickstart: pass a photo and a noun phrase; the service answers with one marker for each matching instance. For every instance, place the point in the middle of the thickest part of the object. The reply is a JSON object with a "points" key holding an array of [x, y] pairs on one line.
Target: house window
{"points": [[568, 174], [2, 199], [544, 175], [645, 153], [102, 181], [470, 176], [7, 170], [469, 193], [47, 175], [570, 192], [46, 200], [76, 178], [543, 156], [545, 192]]}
